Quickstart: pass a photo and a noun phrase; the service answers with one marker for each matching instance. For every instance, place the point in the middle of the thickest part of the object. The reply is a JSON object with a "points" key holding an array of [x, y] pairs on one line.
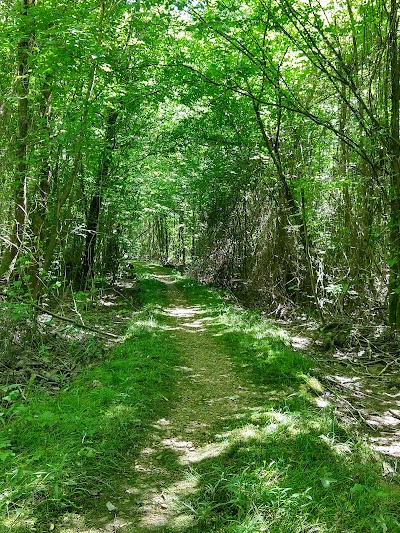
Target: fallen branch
{"points": [[76, 324], [396, 415], [350, 406]]}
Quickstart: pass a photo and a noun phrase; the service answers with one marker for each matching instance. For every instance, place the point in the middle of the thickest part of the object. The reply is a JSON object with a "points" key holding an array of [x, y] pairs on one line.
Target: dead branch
{"points": [[77, 324]]}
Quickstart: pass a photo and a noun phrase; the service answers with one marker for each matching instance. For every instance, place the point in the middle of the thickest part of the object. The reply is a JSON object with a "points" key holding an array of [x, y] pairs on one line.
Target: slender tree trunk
{"points": [[97, 198], [290, 209], [394, 153], [181, 238], [40, 214], [63, 195], [309, 260], [22, 91], [91, 234]]}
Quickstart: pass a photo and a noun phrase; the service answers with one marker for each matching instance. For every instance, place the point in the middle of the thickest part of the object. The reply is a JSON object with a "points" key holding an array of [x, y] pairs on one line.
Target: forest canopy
{"points": [[255, 142]]}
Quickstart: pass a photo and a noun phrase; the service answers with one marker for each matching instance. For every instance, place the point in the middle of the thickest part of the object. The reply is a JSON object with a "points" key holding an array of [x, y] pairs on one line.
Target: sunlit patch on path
{"points": [[183, 312]]}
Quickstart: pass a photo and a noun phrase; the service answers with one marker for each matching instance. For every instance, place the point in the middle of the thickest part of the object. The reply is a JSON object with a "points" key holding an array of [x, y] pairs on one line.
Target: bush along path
{"points": [[202, 419]]}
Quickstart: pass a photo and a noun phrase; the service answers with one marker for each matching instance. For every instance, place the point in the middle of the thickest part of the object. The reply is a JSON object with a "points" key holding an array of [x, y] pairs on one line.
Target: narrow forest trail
{"points": [[207, 403], [243, 444], [209, 395]]}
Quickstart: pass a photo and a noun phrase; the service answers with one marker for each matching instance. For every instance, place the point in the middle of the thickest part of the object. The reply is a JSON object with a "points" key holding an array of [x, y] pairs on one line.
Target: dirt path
{"points": [[208, 398], [209, 392], [209, 401]]}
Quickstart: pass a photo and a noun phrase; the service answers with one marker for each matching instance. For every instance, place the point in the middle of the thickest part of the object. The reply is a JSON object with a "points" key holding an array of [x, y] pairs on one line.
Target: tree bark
{"points": [[394, 155], [93, 215], [40, 214], [62, 196], [21, 151]]}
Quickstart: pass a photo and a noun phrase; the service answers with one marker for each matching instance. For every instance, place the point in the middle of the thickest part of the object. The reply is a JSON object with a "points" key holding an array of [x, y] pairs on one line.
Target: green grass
{"points": [[284, 475], [290, 466], [61, 450]]}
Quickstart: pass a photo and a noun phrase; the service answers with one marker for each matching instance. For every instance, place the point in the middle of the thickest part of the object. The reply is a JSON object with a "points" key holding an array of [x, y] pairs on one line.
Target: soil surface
{"points": [[209, 393]]}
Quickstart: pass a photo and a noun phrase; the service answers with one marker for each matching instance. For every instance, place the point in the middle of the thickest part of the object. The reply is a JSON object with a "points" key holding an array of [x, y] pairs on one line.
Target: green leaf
{"points": [[358, 489], [6, 454]]}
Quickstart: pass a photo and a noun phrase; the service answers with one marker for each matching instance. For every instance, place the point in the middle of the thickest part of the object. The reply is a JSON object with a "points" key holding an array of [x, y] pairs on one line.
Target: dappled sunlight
{"points": [[165, 278], [312, 383], [211, 394], [118, 410], [73, 523], [189, 454], [258, 461], [197, 324], [250, 324], [301, 343], [189, 319], [161, 423], [393, 395], [183, 312], [388, 418], [150, 324], [247, 432], [18, 520], [259, 415], [322, 402], [208, 319], [125, 283], [162, 508], [183, 368], [344, 380], [208, 419], [388, 443], [110, 302]]}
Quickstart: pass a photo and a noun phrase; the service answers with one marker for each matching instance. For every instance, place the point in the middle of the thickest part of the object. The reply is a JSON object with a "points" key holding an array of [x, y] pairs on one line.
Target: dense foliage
{"points": [[257, 142]]}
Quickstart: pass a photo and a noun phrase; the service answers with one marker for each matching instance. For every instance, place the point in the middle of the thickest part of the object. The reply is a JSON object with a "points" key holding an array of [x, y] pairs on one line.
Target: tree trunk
{"points": [[181, 239], [394, 154], [62, 196], [19, 185], [40, 214], [93, 215]]}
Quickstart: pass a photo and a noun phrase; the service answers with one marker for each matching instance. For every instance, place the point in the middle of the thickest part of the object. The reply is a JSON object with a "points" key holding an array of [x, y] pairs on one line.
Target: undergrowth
{"points": [[70, 451]]}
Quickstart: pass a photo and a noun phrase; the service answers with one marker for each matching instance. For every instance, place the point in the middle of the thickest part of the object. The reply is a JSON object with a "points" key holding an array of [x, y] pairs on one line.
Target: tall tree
{"points": [[23, 54]]}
